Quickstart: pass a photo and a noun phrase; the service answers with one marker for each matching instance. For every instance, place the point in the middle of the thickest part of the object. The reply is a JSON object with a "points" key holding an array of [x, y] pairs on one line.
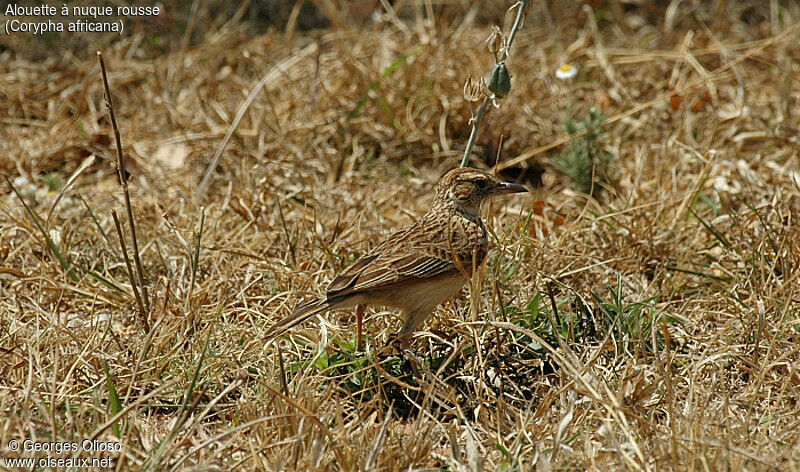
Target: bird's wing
{"points": [[350, 275], [398, 259]]}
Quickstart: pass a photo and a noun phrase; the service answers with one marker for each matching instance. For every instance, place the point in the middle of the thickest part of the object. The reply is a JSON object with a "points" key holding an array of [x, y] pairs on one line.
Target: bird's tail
{"points": [[301, 313]]}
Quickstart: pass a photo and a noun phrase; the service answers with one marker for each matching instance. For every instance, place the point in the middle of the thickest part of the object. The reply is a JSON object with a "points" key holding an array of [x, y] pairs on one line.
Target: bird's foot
{"points": [[401, 347], [398, 344]]}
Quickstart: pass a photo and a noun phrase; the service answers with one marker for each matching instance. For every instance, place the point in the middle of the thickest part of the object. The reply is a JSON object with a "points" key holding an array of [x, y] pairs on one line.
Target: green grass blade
{"points": [[106, 282], [114, 405], [720, 237], [97, 223], [50, 243], [362, 102]]}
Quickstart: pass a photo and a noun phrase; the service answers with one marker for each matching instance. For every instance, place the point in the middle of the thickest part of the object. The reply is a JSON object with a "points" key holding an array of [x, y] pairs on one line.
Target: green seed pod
{"points": [[499, 81]]}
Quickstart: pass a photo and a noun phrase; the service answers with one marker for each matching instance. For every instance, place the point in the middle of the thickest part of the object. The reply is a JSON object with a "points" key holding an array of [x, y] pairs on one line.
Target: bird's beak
{"points": [[508, 187]]}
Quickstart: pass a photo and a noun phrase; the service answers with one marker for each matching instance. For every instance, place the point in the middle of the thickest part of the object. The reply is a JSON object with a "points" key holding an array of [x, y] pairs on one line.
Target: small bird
{"points": [[418, 267]]}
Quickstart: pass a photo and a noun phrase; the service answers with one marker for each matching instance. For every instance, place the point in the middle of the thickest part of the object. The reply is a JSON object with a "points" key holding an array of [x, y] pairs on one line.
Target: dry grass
{"points": [[677, 330]]}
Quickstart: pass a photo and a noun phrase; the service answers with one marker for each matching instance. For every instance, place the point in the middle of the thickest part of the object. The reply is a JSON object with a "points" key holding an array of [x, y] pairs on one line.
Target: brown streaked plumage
{"points": [[422, 265]]}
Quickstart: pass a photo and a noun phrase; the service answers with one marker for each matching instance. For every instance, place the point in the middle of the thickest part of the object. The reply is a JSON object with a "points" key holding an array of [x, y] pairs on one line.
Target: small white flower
{"points": [[565, 72]]}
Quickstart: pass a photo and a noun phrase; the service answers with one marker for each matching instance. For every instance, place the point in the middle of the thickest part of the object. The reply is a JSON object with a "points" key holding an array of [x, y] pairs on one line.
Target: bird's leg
{"points": [[359, 320], [415, 363], [412, 322]]}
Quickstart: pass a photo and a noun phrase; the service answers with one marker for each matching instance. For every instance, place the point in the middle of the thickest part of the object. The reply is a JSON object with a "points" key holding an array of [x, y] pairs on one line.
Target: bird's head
{"points": [[465, 188]]}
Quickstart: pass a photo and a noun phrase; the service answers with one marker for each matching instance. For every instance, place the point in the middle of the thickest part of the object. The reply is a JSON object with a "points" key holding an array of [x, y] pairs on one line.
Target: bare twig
{"points": [[284, 385], [134, 285], [292, 249], [194, 256], [124, 182]]}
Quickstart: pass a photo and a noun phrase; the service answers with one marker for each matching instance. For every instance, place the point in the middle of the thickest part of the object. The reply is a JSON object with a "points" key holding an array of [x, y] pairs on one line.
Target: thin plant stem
{"points": [[522, 4], [473, 135], [476, 122], [124, 182], [142, 312]]}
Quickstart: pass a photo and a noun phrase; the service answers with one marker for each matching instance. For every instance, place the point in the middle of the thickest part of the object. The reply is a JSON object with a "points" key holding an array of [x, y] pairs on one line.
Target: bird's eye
{"points": [[481, 184]]}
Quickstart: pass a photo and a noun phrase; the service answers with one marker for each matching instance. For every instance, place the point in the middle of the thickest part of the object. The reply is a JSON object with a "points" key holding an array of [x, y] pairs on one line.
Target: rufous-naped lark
{"points": [[422, 265]]}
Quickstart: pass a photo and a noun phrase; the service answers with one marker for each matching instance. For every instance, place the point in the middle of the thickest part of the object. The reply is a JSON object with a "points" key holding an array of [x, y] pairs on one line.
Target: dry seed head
{"points": [[472, 90], [496, 40]]}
